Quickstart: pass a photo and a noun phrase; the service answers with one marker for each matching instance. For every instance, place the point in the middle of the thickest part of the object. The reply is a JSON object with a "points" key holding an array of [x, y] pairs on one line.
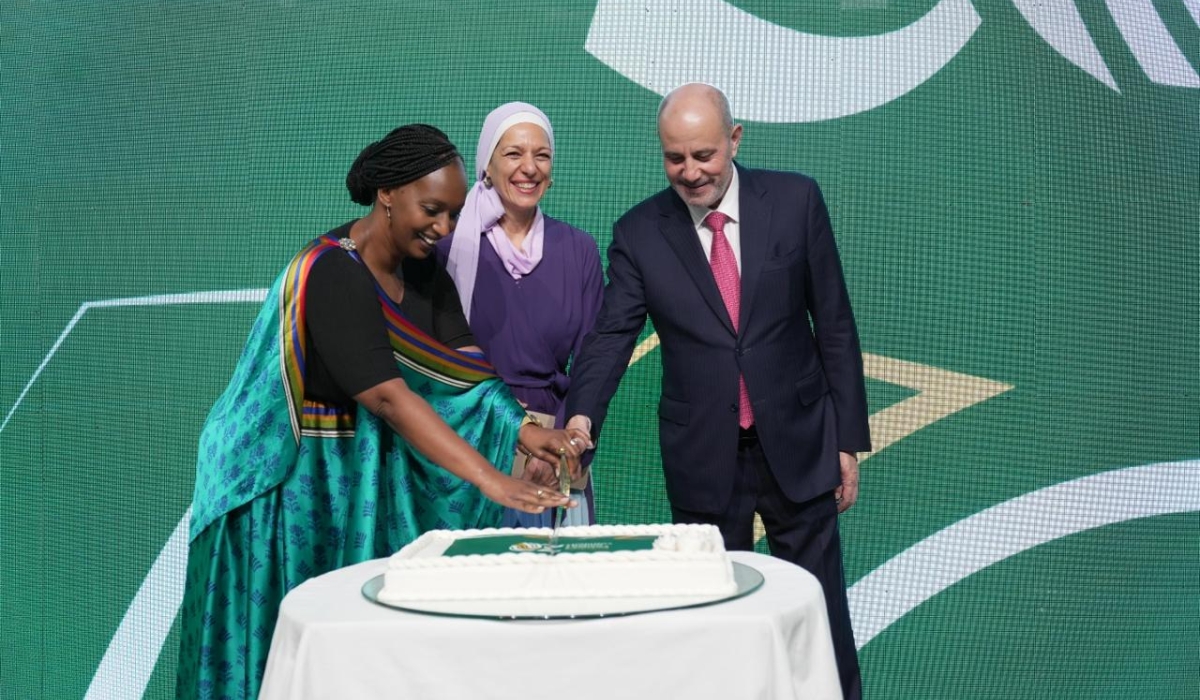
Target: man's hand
{"points": [[847, 493], [580, 428]]}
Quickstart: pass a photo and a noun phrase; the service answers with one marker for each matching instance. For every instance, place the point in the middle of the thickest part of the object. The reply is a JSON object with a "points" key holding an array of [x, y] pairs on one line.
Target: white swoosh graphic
{"points": [[219, 297], [1152, 45], [772, 73], [133, 652], [1059, 24], [929, 567]]}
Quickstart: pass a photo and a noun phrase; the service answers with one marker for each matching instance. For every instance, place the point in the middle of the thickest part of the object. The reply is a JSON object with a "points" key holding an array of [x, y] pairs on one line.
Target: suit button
{"points": [[733, 408], [740, 352]]}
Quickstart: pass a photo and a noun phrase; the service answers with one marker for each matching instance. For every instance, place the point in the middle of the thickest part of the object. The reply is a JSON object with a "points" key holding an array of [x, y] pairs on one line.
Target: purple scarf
{"points": [[483, 209]]}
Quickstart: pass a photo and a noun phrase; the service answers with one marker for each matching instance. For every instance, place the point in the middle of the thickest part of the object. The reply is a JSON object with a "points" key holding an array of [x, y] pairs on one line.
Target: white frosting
{"points": [[686, 560]]}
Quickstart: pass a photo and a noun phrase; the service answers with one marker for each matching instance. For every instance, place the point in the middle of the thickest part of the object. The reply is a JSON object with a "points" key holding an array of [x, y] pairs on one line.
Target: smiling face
{"points": [[698, 147], [426, 210], [520, 168]]}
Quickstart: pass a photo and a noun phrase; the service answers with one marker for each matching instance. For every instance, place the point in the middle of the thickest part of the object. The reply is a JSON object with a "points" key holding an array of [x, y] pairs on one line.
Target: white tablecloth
{"points": [[331, 642]]}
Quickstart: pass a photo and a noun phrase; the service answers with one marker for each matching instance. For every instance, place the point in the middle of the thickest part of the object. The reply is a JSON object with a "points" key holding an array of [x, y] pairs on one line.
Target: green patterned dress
{"points": [[288, 488]]}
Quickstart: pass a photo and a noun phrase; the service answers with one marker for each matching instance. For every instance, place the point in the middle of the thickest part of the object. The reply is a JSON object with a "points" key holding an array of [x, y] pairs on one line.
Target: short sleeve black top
{"points": [[349, 351]]}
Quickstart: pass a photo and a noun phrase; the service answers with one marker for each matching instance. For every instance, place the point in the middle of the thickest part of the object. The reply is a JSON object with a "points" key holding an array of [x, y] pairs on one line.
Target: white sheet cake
{"points": [[598, 561]]}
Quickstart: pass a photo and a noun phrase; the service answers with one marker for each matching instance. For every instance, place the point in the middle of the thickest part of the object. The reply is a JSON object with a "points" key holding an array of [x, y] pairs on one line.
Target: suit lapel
{"points": [[681, 235], [755, 232]]}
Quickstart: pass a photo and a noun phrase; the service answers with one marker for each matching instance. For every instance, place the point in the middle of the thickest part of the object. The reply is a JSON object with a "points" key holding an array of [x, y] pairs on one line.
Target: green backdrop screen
{"points": [[1015, 190]]}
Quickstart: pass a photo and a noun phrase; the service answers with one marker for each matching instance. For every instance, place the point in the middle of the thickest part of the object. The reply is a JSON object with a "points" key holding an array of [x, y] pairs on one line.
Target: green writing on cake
{"points": [[540, 544]]}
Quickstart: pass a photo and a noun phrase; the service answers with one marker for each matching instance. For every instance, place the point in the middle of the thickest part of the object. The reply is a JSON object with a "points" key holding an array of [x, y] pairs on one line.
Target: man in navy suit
{"points": [[763, 405]]}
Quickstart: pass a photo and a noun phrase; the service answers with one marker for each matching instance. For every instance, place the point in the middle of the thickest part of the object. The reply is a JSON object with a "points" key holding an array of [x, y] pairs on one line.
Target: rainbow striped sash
{"points": [[412, 348]]}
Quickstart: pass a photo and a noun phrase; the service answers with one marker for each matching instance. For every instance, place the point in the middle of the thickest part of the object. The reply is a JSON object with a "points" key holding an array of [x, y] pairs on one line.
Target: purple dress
{"points": [[530, 328]]}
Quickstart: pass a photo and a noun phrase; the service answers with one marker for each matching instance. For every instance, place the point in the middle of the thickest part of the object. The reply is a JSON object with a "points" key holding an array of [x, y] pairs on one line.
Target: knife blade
{"points": [[564, 486]]}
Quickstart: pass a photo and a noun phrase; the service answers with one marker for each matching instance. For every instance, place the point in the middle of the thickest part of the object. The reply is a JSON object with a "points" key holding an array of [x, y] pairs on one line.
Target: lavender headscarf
{"points": [[483, 209]]}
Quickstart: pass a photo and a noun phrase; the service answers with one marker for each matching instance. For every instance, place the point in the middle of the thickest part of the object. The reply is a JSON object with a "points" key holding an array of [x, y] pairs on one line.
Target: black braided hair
{"points": [[407, 154]]}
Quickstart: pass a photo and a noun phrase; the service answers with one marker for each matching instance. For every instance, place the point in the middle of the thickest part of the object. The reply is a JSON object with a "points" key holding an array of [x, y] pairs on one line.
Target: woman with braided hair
{"points": [[358, 417]]}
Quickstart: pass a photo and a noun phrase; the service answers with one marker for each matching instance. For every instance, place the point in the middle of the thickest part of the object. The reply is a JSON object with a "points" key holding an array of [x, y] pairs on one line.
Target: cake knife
{"points": [[564, 486]]}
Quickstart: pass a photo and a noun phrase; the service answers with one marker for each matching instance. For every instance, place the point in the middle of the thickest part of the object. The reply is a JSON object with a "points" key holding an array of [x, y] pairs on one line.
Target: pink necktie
{"points": [[725, 272]]}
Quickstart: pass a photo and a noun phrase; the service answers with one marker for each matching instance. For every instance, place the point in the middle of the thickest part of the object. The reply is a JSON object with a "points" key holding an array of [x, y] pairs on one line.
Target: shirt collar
{"points": [[729, 205]]}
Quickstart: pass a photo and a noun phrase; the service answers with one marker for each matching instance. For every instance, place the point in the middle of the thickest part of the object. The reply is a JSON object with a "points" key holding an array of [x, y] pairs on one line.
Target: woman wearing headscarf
{"points": [[351, 424], [530, 285]]}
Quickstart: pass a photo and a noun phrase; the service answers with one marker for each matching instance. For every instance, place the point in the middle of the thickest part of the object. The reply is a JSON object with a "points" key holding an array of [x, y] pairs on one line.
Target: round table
{"points": [[331, 642]]}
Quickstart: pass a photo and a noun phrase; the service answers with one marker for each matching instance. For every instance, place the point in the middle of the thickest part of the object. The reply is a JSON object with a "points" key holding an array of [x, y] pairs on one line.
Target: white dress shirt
{"points": [[729, 207]]}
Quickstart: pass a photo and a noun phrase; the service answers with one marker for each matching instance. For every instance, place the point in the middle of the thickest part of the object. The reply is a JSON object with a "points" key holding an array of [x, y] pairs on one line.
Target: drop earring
{"points": [[388, 209], [487, 181]]}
